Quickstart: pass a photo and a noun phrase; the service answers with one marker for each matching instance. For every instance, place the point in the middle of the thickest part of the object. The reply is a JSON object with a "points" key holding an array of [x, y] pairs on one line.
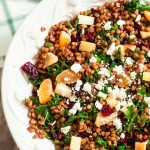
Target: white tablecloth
{"points": [[12, 13]]}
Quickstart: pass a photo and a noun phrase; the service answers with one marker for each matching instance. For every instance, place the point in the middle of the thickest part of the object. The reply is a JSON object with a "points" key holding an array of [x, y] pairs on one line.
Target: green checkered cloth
{"points": [[12, 13]]}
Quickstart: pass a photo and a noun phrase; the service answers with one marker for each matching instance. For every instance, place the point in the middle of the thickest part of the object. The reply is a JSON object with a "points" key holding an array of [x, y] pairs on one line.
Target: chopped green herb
{"points": [[67, 138], [48, 44], [142, 91], [36, 81], [118, 37], [94, 111], [53, 131], [141, 105], [76, 24], [101, 142], [122, 147], [54, 70], [136, 4], [81, 115], [130, 116], [112, 65], [96, 74], [114, 27], [137, 51], [142, 119], [35, 100], [88, 79], [131, 40], [55, 100], [69, 26], [117, 55], [47, 135], [56, 141]]}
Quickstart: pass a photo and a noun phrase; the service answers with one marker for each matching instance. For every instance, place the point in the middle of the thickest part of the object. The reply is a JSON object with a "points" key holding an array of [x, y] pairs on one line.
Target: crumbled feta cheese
{"points": [[129, 61], [119, 92], [107, 25], [100, 85], [111, 49], [87, 87], [102, 95], [98, 105], [138, 18], [133, 75], [66, 129], [78, 85], [112, 77], [122, 135], [82, 31], [104, 71], [93, 60], [123, 103], [109, 89], [72, 111], [132, 36], [139, 81], [118, 69], [147, 100], [76, 107], [105, 81], [148, 53], [118, 106], [141, 67], [121, 22], [117, 123], [73, 98], [76, 67], [66, 79]]}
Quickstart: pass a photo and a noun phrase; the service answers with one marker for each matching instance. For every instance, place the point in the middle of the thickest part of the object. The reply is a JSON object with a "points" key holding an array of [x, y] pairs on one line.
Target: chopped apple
{"points": [[125, 109], [130, 46], [64, 39], [101, 120], [75, 143], [140, 146], [50, 60], [147, 15], [87, 46], [87, 20], [146, 76], [111, 100], [67, 77], [144, 34], [63, 90]]}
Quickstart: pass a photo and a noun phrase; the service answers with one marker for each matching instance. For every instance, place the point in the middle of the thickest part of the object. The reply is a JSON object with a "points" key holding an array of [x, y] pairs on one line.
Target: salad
{"points": [[91, 80]]}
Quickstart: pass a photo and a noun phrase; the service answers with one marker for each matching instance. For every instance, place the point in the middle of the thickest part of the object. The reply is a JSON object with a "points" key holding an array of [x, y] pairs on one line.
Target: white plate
{"points": [[24, 46]]}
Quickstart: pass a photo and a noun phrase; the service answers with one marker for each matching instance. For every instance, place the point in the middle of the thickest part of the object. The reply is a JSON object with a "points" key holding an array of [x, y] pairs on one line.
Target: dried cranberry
{"points": [[90, 37], [125, 139], [74, 38], [140, 44], [137, 26], [106, 110], [34, 93], [94, 11], [54, 135], [124, 42], [30, 70], [71, 105]]}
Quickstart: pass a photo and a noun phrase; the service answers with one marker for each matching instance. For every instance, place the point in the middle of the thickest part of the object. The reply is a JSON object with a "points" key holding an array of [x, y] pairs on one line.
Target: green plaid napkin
{"points": [[12, 13]]}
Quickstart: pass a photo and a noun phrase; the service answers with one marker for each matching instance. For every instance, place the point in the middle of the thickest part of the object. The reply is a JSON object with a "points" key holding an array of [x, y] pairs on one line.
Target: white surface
{"points": [[23, 47]]}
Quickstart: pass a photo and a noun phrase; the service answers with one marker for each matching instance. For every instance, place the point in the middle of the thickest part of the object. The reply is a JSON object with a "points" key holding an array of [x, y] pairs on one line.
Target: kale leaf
{"points": [[101, 142], [136, 4]]}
